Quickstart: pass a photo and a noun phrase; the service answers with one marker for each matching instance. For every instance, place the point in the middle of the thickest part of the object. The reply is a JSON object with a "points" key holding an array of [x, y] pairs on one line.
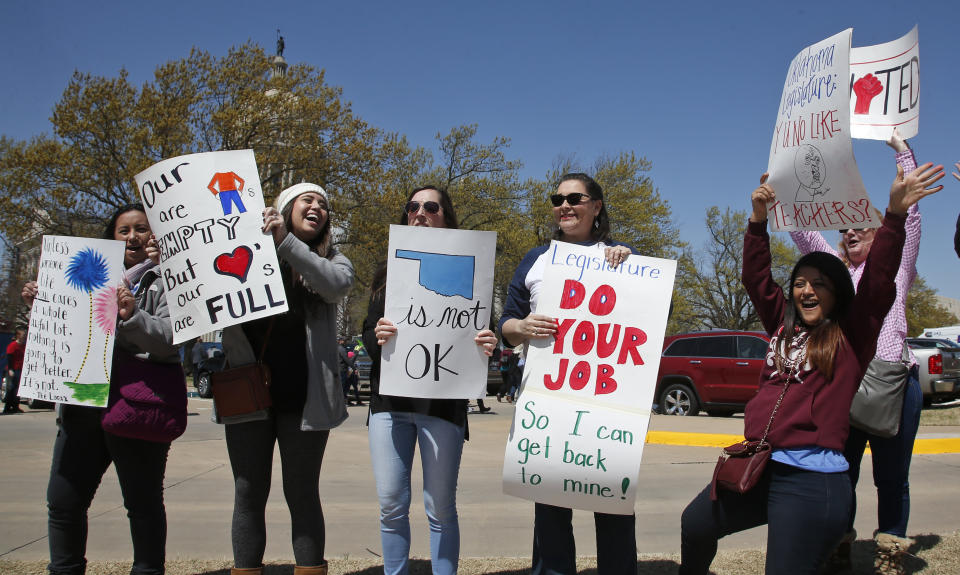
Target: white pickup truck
{"points": [[939, 363]]}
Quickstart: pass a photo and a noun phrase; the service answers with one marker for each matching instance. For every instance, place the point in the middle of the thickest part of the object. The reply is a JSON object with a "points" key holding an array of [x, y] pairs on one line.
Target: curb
{"points": [[922, 446]]}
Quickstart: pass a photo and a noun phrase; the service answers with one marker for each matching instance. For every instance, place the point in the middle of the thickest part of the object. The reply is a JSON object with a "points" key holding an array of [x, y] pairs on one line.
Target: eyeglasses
{"points": [[858, 231], [573, 199], [413, 207]]}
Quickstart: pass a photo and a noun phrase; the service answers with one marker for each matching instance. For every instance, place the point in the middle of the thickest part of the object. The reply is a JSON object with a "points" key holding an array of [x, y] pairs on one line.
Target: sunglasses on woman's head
{"points": [[429, 207], [573, 199], [859, 231]]}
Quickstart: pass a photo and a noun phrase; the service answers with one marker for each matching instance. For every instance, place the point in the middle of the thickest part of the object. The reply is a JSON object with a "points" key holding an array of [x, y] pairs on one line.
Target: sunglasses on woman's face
{"points": [[573, 199], [429, 207]]}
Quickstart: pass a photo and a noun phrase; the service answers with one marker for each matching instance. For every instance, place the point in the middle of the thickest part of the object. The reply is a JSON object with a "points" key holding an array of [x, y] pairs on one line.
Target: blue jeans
{"points": [[891, 464], [805, 513], [554, 549], [393, 439]]}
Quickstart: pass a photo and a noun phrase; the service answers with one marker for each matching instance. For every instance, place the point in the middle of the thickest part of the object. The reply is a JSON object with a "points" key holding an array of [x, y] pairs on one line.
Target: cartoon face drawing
{"points": [[811, 173]]}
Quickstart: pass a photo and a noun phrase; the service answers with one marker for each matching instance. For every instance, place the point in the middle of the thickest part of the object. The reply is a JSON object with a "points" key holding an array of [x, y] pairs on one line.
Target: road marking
{"points": [[920, 447]]}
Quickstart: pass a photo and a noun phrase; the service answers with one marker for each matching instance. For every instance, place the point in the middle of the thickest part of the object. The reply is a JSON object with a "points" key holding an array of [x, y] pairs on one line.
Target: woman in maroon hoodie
{"points": [[823, 335]]}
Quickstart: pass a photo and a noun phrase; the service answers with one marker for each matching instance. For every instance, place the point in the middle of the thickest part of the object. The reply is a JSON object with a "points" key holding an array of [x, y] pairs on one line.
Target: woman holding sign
{"points": [[83, 450], [580, 217], [397, 424], [300, 348], [891, 449], [823, 336]]}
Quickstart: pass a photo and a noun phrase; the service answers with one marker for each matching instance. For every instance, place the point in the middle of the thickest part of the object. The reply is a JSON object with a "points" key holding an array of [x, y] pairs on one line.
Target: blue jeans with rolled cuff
{"points": [[393, 439]]}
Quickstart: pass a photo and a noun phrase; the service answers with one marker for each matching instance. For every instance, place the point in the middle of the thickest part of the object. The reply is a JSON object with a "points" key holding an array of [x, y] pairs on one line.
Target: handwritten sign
{"points": [[811, 161], [885, 88], [587, 392], [439, 292], [73, 321], [218, 267]]}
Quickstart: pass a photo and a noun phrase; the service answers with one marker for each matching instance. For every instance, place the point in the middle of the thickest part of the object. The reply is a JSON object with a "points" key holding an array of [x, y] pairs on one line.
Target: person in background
{"points": [[580, 216], [348, 372], [15, 349], [891, 455], [300, 348], [398, 424], [197, 356], [83, 451], [823, 336], [956, 234]]}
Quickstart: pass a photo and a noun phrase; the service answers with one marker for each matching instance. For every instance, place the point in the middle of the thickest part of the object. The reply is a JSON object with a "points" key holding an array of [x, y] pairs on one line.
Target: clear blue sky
{"points": [[692, 86]]}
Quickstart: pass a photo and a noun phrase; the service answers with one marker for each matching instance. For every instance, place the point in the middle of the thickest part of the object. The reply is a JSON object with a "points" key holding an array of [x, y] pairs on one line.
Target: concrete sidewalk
{"points": [[199, 494]]}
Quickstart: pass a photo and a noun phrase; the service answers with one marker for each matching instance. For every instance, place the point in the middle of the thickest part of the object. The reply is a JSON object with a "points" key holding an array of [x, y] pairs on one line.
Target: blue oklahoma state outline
{"points": [[444, 274]]}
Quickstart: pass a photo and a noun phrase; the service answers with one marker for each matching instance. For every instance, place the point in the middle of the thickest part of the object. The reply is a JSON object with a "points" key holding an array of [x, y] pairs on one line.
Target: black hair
{"points": [[111, 227], [600, 230]]}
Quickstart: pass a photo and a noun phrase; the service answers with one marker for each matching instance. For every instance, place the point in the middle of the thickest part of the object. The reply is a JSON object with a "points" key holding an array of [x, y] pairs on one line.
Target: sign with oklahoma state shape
{"points": [[218, 267]]}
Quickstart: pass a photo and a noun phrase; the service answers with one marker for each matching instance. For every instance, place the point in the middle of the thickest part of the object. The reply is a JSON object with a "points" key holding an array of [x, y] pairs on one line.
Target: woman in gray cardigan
{"points": [[301, 352]]}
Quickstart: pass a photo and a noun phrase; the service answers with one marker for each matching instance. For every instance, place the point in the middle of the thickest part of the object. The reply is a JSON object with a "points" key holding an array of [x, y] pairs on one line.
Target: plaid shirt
{"points": [[894, 330]]}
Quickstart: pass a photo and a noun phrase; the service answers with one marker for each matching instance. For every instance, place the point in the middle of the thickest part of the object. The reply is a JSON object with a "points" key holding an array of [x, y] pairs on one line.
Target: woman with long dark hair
{"points": [[823, 335], [83, 450], [300, 348], [398, 424]]}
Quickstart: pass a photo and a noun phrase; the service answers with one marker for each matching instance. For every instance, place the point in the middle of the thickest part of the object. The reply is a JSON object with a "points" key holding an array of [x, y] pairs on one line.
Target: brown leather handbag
{"points": [[741, 465], [245, 389]]}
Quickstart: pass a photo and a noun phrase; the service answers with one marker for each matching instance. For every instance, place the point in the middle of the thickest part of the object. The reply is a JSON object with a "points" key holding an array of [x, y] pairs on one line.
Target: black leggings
{"points": [[805, 512], [250, 446], [81, 454]]}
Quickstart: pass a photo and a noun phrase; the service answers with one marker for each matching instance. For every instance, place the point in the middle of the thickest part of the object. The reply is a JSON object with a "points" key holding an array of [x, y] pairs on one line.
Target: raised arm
{"points": [[764, 292]]}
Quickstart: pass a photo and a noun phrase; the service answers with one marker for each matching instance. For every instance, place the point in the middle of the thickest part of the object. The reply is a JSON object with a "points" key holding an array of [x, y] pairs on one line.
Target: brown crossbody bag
{"points": [[243, 390], [741, 465]]}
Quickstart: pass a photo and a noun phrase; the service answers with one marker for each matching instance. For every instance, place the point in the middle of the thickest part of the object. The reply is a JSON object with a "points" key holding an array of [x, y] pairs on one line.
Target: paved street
{"points": [[199, 495]]}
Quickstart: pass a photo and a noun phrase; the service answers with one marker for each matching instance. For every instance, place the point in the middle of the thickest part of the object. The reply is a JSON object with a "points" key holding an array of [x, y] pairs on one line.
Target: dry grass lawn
{"points": [[933, 555], [941, 415]]}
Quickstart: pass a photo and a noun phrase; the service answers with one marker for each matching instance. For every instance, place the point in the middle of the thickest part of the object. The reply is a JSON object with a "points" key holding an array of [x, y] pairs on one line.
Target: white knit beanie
{"points": [[289, 194]]}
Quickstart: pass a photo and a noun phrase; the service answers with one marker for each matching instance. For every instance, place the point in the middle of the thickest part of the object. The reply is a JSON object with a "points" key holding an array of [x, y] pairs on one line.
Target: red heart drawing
{"points": [[235, 264]]}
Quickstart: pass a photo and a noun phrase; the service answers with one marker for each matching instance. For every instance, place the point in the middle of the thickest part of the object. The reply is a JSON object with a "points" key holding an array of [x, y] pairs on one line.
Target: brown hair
{"points": [[826, 337]]}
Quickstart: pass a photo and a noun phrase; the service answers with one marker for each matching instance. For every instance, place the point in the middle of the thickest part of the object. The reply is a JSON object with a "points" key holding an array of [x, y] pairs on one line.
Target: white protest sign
{"points": [[562, 452], [218, 267], [439, 292], [811, 161], [610, 326], [885, 86], [588, 391], [73, 321]]}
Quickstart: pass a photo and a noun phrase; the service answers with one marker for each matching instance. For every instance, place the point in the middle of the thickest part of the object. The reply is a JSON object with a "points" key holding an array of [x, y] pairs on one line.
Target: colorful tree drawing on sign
{"points": [[87, 272], [105, 311]]}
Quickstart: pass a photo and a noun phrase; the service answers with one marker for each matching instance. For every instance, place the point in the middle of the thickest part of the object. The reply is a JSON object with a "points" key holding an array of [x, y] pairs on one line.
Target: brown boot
{"points": [[246, 571], [317, 570], [890, 552], [838, 563]]}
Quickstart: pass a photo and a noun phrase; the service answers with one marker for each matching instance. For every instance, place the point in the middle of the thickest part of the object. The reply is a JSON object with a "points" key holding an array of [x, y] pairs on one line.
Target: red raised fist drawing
{"points": [[866, 88]]}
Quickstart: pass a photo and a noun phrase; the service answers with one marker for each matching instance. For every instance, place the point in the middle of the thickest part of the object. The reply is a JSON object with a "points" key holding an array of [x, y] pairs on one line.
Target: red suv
{"points": [[718, 371]]}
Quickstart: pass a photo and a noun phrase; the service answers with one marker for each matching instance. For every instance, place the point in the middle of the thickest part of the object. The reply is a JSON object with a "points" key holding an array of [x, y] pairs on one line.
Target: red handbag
{"points": [[741, 465]]}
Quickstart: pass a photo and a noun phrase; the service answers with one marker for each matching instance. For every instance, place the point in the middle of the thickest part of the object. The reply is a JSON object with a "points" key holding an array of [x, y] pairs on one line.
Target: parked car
{"points": [[31, 403], [938, 361], [214, 362], [717, 371]]}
